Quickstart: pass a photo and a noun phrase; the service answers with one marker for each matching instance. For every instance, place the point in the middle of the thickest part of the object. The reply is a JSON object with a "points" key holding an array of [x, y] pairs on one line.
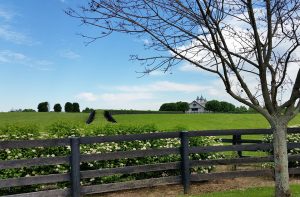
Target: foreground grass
{"points": [[258, 192], [189, 122]]}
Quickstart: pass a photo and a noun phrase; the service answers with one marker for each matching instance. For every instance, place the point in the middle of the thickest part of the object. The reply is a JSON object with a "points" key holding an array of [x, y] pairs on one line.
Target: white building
{"points": [[197, 106]]}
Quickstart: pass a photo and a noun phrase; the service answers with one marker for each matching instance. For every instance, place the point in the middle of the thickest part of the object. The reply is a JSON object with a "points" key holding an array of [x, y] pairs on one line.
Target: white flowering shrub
{"points": [[65, 129], [28, 132], [292, 138]]}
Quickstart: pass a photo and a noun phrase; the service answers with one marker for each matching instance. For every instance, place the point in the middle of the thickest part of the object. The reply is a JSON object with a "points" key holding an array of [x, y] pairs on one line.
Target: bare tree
{"points": [[250, 45]]}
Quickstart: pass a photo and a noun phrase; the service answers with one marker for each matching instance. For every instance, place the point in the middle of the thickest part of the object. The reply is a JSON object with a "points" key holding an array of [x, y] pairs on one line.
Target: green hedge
{"points": [[66, 129]]}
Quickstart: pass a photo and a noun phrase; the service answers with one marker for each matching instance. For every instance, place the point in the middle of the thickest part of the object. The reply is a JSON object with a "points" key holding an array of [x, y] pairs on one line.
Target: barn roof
{"points": [[197, 103]]}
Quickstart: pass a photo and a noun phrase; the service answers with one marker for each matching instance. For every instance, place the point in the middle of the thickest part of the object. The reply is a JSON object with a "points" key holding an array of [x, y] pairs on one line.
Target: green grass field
{"points": [[176, 122], [189, 122], [47, 118], [41, 119], [251, 192], [164, 122]]}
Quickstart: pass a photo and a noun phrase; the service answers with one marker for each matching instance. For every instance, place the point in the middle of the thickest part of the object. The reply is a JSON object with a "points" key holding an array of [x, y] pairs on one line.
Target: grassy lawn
{"points": [[41, 119], [47, 118], [99, 118], [176, 122], [198, 121], [164, 122], [259, 192]]}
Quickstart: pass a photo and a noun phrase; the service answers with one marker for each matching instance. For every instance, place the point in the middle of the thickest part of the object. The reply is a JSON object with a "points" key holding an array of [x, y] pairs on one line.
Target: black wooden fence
{"points": [[75, 175]]}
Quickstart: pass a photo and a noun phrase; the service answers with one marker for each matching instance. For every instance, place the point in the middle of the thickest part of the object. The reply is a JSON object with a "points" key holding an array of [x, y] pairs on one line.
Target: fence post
{"points": [[236, 138], [185, 162], [75, 166]]}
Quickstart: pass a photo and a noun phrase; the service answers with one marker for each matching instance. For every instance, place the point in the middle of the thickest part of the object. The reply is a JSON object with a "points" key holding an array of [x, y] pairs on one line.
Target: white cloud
{"points": [[7, 29], [120, 100], [187, 67], [138, 105], [163, 86], [236, 43], [6, 14], [43, 63], [292, 70], [176, 87], [123, 97], [69, 54], [11, 57], [87, 96], [146, 41], [158, 73], [7, 56], [7, 34], [114, 97], [152, 95]]}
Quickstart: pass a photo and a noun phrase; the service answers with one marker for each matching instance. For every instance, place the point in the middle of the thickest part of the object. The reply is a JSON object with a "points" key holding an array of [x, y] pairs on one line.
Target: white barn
{"points": [[197, 106]]}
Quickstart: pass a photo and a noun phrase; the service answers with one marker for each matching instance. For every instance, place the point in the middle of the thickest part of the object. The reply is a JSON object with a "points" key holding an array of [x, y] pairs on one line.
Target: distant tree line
{"points": [[178, 106], [72, 107], [22, 110], [69, 107], [131, 111], [45, 107], [87, 110], [28, 110], [225, 107], [212, 106]]}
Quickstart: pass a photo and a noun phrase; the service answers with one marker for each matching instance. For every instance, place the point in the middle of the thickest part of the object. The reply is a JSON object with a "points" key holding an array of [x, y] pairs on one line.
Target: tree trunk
{"points": [[281, 159]]}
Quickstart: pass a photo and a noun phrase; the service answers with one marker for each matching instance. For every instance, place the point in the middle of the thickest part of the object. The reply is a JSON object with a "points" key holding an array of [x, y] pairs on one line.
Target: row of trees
{"points": [[72, 107], [213, 106], [22, 110], [44, 107], [69, 107], [178, 106], [87, 110], [224, 107]]}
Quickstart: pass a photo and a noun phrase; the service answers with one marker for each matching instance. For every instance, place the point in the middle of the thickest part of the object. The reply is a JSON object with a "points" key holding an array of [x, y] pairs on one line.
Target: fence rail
{"points": [[75, 158]]}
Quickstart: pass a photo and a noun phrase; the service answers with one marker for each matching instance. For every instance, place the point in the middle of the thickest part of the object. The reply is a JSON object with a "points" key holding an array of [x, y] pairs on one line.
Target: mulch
{"points": [[198, 188]]}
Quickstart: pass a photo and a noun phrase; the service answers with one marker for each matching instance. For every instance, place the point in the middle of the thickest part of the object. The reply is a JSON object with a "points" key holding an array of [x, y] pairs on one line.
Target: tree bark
{"points": [[281, 159]]}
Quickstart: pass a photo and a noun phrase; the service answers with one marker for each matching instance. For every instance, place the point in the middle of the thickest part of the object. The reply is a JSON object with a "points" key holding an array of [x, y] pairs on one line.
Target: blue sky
{"points": [[42, 58]]}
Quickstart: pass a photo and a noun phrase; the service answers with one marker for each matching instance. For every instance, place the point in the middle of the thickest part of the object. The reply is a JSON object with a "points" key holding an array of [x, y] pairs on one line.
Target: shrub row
{"points": [[292, 138], [66, 129]]}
